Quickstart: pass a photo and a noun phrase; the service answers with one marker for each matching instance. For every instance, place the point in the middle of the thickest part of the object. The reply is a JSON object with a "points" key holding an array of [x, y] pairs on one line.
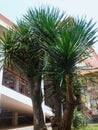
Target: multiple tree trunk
{"points": [[70, 106], [65, 122], [57, 122]]}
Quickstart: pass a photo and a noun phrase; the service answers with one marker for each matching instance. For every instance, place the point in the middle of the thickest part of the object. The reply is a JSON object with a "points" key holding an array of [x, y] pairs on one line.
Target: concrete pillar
{"points": [[15, 118]]}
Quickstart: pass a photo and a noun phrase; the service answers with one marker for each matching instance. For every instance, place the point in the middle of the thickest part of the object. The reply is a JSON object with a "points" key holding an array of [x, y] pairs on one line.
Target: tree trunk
{"points": [[67, 117], [57, 103], [55, 122], [36, 100], [70, 106]]}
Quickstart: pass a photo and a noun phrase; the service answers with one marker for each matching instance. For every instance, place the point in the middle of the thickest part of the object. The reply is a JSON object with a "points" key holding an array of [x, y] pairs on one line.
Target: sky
{"points": [[15, 9]]}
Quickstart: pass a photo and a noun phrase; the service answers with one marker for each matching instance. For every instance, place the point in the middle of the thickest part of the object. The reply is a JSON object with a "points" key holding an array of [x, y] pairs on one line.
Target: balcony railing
{"points": [[15, 82]]}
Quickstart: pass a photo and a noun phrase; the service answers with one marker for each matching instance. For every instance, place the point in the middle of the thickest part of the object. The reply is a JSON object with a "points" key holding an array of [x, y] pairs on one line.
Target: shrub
{"points": [[79, 119]]}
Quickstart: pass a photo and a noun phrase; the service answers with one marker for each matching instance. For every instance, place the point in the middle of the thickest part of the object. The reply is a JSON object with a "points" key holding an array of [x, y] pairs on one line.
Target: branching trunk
{"points": [[37, 109], [70, 106]]}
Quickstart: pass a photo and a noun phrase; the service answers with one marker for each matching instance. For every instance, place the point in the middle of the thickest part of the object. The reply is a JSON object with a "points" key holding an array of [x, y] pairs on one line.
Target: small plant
{"points": [[79, 119]]}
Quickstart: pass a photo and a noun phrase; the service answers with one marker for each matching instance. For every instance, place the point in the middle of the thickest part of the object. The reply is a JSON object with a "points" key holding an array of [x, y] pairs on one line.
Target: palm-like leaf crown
{"points": [[65, 39], [73, 45], [22, 49]]}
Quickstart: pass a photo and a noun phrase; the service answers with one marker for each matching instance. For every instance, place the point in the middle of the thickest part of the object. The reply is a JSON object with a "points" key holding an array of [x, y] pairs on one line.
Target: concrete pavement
{"points": [[24, 128]]}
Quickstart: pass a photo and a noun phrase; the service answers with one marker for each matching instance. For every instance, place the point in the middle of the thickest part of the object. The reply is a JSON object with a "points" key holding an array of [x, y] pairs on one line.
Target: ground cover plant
{"points": [[90, 127]]}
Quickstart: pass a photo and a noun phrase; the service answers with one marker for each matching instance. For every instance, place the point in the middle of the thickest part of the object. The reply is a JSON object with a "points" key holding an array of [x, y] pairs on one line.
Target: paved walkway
{"points": [[25, 128]]}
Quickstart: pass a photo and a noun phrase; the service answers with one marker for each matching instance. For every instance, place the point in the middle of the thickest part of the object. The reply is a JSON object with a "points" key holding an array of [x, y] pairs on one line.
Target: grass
{"points": [[90, 127]]}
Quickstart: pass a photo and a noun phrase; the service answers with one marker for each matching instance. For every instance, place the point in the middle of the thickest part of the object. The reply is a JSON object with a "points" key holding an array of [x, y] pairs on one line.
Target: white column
{"points": [[43, 94], [1, 75], [1, 61]]}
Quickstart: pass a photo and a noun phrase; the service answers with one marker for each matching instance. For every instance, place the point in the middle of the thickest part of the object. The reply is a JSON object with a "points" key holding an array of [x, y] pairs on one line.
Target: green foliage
{"points": [[66, 40], [22, 49], [79, 120], [90, 127], [47, 36]]}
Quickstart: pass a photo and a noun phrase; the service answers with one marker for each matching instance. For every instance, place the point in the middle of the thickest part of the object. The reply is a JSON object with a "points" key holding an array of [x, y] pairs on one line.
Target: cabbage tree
{"points": [[68, 42]]}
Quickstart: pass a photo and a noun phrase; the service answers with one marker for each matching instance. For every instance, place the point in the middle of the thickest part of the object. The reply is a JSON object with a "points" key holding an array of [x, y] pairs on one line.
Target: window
{"points": [[8, 79]]}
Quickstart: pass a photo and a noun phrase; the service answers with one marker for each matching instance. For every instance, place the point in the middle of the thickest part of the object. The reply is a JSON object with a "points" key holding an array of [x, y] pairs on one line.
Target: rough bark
{"points": [[70, 106], [67, 117], [57, 103], [37, 109], [55, 121]]}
